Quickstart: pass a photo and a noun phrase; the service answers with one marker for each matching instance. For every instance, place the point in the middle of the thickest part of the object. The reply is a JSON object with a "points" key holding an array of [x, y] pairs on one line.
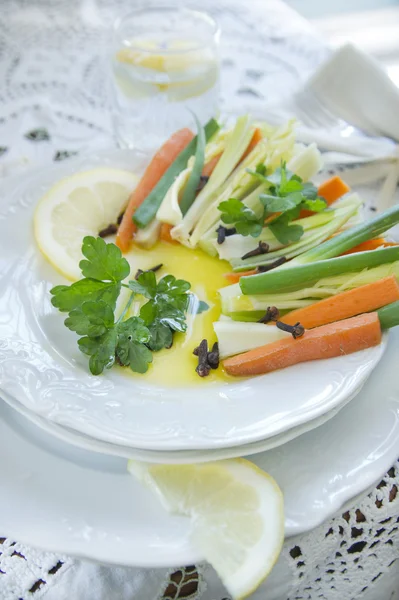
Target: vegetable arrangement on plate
{"points": [[309, 279]]}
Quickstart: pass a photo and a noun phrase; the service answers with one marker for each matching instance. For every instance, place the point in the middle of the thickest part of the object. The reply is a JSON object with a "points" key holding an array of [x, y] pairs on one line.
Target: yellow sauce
{"points": [[176, 366]]}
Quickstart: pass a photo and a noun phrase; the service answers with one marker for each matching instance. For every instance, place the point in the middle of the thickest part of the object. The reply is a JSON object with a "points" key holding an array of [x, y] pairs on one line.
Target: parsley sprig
{"points": [[165, 311], [287, 196], [91, 302]]}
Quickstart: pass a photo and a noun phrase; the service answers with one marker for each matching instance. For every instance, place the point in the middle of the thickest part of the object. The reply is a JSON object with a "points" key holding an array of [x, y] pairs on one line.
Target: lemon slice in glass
{"points": [[236, 512], [180, 75], [80, 205]]}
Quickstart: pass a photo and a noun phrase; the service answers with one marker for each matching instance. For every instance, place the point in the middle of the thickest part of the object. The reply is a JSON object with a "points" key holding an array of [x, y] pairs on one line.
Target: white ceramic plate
{"points": [[68, 500], [41, 366], [80, 440]]}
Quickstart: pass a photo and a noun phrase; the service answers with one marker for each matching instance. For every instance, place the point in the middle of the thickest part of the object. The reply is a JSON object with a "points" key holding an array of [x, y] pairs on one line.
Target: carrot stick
{"points": [[235, 277], [165, 233], [363, 299], [331, 190], [159, 164], [369, 245], [328, 341], [255, 139]]}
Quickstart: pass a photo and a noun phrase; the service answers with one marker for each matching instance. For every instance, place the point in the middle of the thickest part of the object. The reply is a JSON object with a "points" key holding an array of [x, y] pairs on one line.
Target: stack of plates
{"points": [[325, 430]]}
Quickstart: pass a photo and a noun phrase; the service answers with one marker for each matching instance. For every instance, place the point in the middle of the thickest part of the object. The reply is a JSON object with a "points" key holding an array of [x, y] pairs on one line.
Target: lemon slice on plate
{"points": [[236, 511], [80, 205]]}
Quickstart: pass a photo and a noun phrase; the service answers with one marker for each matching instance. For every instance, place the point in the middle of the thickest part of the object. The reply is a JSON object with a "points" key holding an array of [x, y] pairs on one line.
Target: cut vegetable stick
{"points": [[209, 167], [389, 315], [165, 233], [148, 209], [328, 341], [369, 245], [363, 299], [235, 277], [292, 278], [256, 138], [351, 237], [159, 164], [235, 337], [331, 190]]}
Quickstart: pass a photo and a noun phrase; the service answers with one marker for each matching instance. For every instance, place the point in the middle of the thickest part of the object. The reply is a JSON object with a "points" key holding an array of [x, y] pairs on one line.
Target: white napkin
{"points": [[361, 102], [354, 86]]}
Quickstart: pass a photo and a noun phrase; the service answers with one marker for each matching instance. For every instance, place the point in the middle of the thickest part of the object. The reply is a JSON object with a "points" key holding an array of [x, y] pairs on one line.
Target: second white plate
{"points": [[85, 504], [80, 440]]}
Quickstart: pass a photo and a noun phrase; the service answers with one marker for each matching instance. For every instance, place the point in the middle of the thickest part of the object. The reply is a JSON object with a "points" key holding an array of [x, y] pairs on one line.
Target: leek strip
{"points": [[148, 237], [192, 184], [295, 277], [307, 163], [235, 337], [351, 237], [236, 144]]}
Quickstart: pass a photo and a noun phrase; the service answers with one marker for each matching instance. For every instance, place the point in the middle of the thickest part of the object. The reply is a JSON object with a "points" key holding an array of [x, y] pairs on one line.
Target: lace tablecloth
{"points": [[53, 104]]}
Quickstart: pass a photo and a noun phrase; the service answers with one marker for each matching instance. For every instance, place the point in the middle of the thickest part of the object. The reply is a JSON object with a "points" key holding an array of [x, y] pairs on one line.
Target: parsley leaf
{"points": [[310, 192], [91, 319], [161, 336], [146, 284], [275, 204], [101, 350], [315, 205], [90, 304], [103, 270], [172, 286], [69, 297], [245, 220], [286, 197], [131, 349], [125, 340], [285, 233], [165, 312], [104, 261]]}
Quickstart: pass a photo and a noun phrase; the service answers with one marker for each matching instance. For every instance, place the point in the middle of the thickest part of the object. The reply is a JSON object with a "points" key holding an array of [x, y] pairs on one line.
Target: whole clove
{"points": [[262, 248], [109, 230], [272, 265], [296, 330], [203, 368], [153, 269], [224, 232], [272, 314], [213, 356], [119, 219]]}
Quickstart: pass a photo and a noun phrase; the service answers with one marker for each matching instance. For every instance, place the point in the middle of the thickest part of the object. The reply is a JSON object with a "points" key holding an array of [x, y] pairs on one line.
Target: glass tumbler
{"points": [[164, 69]]}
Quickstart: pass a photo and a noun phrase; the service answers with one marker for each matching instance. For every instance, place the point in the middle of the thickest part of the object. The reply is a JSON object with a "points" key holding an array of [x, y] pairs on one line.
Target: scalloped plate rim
{"points": [[222, 427]]}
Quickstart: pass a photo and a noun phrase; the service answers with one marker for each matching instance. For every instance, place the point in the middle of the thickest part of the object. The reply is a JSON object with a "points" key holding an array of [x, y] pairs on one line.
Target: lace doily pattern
{"points": [[266, 50], [354, 556]]}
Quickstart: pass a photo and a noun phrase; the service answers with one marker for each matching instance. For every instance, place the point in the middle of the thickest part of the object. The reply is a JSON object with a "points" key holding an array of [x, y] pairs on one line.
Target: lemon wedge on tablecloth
{"points": [[236, 511], [80, 205]]}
